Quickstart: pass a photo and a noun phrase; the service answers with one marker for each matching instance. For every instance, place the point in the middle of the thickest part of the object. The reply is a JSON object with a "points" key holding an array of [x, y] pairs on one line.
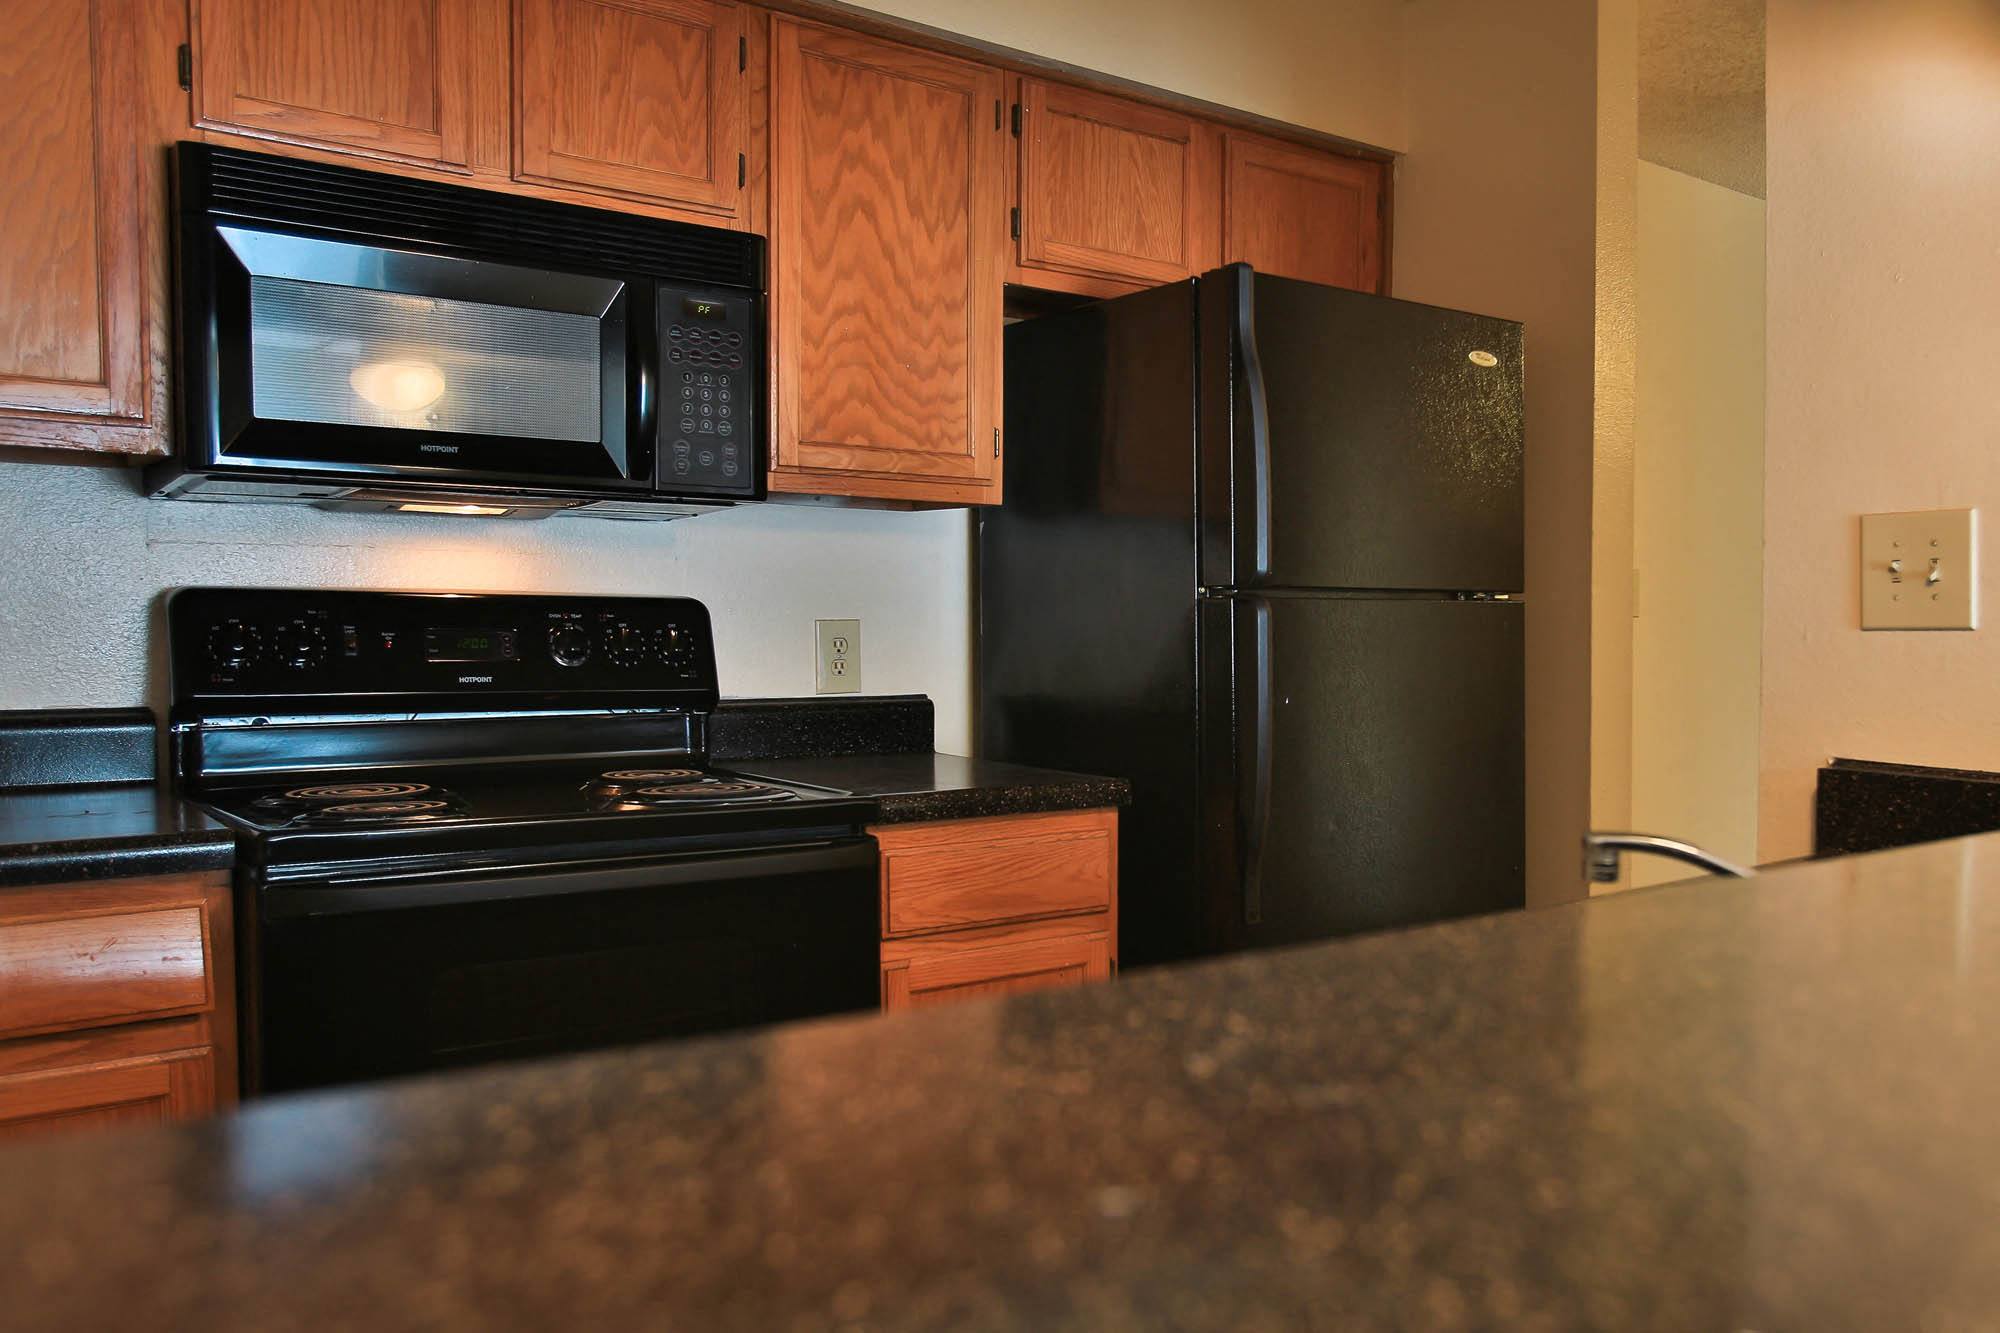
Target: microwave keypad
{"points": [[708, 385]]}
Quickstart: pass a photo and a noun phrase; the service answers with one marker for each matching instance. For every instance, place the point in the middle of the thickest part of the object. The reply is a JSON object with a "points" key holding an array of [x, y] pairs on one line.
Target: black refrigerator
{"points": [[1261, 555]]}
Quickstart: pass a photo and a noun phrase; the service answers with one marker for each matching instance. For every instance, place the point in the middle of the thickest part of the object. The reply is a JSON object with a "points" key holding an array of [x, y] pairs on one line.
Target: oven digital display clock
{"points": [[469, 645]]}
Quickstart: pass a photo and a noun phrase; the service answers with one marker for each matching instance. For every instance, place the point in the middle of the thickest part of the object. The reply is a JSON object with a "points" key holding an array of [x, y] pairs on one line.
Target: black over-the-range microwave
{"points": [[364, 341]]}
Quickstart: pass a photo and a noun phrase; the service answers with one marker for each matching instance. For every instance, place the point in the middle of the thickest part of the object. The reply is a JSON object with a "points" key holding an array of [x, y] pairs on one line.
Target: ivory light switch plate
{"points": [[839, 670], [1920, 570]]}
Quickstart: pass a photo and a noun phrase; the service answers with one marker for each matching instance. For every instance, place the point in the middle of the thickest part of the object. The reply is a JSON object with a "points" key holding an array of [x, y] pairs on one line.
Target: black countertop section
{"points": [[821, 726], [1863, 806], [60, 834], [48, 747], [910, 787], [1717, 1105]]}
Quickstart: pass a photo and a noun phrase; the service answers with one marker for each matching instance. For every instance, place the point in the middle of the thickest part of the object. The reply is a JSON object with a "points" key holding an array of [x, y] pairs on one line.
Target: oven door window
{"points": [[364, 358]]}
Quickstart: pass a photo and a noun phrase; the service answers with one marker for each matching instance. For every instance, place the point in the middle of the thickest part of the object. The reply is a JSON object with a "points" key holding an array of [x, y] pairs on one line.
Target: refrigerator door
{"points": [[1377, 765], [1372, 443]]}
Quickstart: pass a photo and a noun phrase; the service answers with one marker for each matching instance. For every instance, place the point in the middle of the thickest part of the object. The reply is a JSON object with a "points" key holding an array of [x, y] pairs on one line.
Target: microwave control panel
{"points": [[709, 356]]}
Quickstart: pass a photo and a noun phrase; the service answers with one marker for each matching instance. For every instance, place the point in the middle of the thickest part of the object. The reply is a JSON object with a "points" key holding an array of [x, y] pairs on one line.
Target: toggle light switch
{"points": [[1920, 570]]}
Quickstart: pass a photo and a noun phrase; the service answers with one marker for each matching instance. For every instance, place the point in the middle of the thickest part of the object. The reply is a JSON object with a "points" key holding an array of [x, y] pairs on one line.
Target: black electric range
{"points": [[476, 827]]}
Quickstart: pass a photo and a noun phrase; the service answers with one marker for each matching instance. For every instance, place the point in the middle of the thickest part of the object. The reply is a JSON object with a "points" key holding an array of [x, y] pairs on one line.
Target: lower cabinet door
{"points": [[149, 1088], [983, 964]]}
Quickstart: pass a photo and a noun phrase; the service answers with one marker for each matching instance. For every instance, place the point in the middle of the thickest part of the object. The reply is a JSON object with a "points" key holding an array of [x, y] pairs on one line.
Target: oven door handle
{"points": [[317, 898]]}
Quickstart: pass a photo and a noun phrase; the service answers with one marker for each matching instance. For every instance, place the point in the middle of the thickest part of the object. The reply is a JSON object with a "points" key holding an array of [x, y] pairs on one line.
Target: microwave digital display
{"points": [[695, 309], [469, 645]]}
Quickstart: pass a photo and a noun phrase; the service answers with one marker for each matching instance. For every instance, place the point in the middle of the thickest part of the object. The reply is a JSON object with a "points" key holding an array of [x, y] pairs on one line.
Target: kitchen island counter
{"points": [[1712, 1105]]}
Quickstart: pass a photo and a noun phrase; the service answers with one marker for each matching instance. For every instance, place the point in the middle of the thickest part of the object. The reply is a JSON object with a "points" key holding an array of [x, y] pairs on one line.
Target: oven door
{"points": [[352, 980], [304, 353]]}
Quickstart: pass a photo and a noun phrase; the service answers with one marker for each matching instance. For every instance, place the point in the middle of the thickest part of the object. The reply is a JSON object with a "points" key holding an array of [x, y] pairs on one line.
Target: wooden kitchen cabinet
{"points": [[981, 907], [1300, 213], [887, 240], [117, 1002], [649, 98], [80, 224], [1111, 194], [386, 78]]}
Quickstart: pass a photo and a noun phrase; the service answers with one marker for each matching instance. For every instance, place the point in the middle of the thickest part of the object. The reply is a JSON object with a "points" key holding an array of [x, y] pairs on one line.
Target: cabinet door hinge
{"points": [[1017, 120], [742, 54], [1014, 222], [996, 441], [742, 170], [184, 65]]}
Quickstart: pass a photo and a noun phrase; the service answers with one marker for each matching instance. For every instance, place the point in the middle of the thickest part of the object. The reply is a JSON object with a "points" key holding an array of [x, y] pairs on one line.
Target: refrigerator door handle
{"points": [[1260, 419], [1260, 767]]}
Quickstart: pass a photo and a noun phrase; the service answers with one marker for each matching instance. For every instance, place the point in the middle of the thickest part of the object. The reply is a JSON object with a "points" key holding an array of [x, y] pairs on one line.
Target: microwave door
{"points": [[364, 359]]}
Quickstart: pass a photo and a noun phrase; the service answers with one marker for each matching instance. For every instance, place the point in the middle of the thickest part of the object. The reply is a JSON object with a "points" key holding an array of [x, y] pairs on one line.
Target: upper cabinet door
{"points": [[74, 222], [1297, 213], [888, 239], [641, 97], [1114, 189], [384, 77]]}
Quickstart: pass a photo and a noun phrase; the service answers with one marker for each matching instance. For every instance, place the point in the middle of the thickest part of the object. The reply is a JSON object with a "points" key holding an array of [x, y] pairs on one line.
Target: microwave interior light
{"points": [[398, 386]]}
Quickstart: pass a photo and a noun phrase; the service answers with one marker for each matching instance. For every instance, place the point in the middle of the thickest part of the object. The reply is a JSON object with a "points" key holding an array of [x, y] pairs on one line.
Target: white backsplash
{"points": [[86, 557]]}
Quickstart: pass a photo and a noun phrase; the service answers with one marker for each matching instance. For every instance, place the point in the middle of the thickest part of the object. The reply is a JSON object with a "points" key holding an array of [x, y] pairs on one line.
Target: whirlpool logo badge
{"points": [[475, 680]]}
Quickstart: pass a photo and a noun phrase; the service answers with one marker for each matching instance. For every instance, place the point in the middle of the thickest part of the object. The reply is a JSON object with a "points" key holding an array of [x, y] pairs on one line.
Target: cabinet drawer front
{"points": [[985, 871], [111, 967], [102, 1096], [942, 972]]}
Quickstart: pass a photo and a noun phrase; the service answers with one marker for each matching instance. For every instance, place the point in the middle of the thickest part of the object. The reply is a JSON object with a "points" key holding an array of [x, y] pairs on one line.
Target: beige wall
{"points": [[86, 556], [1698, 521], [1497, 211], [1334, 65], [1884, 350]]}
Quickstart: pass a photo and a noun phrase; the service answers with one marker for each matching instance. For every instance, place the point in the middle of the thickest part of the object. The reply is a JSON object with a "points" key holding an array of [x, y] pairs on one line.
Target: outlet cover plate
{"points": [[839, 663], [1920, 570]]}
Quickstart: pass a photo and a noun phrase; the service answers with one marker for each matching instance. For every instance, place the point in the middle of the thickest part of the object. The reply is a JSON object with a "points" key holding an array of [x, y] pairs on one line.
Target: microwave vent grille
{"points": [[287, 191]]}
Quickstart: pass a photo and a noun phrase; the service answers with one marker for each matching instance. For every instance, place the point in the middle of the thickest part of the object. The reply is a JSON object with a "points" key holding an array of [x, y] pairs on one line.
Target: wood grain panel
{"points": [[886, 174], [88, 970], [1113, 188], [108, 1094], [643, 97], [1296, 213], [958, 873], [73, 299], [987, 963], [379, 76]]}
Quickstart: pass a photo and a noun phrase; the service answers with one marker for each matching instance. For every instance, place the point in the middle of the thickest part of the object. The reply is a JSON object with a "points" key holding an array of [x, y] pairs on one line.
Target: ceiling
{"points": [[1701, 89]]}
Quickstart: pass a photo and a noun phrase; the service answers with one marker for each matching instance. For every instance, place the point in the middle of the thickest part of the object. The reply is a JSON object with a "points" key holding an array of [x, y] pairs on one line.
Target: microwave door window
{"points": [[374, 360], [354, 357]]}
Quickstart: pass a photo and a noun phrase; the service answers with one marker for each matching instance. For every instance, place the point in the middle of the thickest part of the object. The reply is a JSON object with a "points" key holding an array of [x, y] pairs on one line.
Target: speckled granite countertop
{"points": [[78, 833], [1715, 1105], [910, 787]]}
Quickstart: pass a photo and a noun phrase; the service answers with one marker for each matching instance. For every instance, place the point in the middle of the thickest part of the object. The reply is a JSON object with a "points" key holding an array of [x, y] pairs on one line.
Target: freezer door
{"points": [[1374, 443], [1378, 765]]}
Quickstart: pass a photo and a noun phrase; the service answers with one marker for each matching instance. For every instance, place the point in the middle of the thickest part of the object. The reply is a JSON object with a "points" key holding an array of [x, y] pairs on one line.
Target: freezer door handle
{"points": [[1259, 813], [1260, 419]]}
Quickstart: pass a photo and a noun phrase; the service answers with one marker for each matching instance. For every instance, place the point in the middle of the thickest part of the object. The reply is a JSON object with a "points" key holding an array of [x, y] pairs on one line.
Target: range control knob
{"points": [[624, 645], [569, 645], [233, 645], [299, 644], [676, 647]]}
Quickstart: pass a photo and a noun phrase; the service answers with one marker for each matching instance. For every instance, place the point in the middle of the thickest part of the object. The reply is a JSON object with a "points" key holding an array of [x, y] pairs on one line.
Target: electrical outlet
{"points": [[1920, 570], [839, 668]]}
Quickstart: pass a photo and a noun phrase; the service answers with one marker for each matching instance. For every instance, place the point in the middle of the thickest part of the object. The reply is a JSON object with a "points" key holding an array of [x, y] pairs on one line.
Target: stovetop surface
{"points": [[641, 793]]}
